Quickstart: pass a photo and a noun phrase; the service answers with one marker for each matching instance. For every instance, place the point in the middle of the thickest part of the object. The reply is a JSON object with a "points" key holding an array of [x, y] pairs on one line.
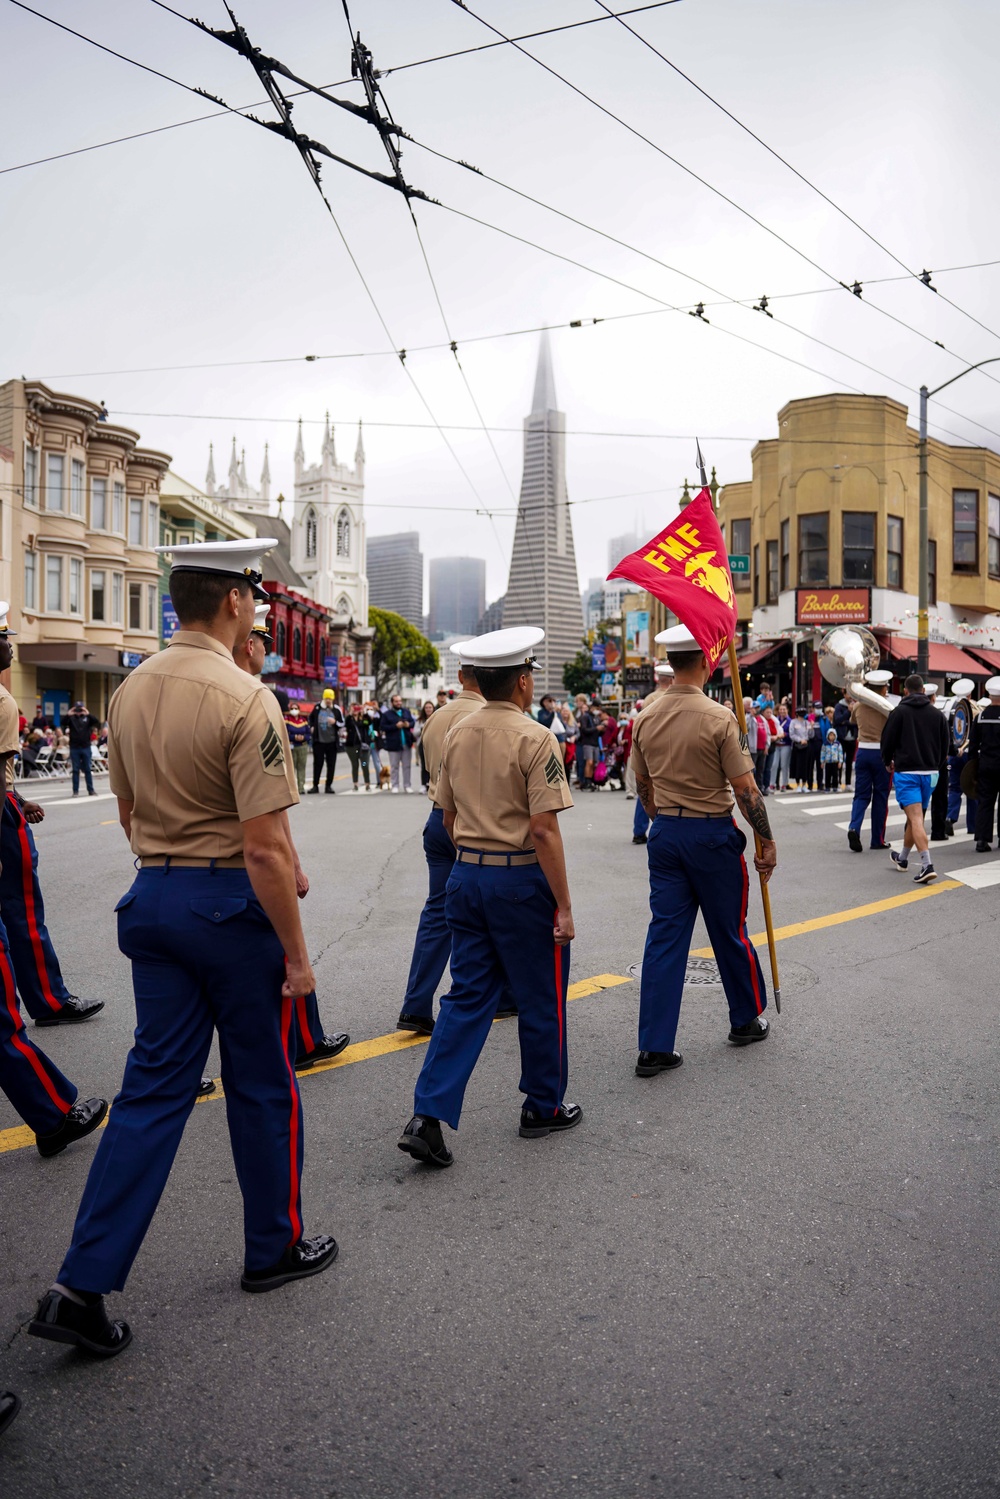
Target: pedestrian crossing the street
{"points": [[981, 875]]}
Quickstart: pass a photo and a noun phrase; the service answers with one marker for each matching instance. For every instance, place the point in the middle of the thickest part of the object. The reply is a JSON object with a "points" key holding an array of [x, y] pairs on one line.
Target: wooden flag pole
{"points": [[734, 672]]}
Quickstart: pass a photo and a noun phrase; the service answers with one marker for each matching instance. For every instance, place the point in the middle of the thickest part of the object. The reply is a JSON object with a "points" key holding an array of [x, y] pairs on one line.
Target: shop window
{"points": [[31, 580], [772, 572], [786, 557], [98, 504], [859, 548], [296, 644], [932, 572], [965, 530], [30, 476], [53, 585], [311, 534], [894, 552], [740, 532], [135, 606], [814, 550], [97, 601], [55, 478], [76, 482]]}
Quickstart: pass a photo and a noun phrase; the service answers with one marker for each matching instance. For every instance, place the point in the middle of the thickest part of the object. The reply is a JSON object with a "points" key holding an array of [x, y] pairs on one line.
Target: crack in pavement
{"points": [[371, 896]]}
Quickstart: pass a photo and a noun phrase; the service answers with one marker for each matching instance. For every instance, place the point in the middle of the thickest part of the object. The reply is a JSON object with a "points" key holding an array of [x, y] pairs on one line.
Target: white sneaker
{"points": [[408, 790], [395, 790]]}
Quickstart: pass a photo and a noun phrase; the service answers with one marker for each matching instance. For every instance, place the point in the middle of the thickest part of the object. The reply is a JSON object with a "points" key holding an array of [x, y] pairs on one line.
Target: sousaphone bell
{"points": [[846, 654]]}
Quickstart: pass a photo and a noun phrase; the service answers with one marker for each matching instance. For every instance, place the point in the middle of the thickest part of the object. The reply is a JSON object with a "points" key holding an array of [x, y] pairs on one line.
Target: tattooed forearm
{"points": [[753, 809], [644, 788]]}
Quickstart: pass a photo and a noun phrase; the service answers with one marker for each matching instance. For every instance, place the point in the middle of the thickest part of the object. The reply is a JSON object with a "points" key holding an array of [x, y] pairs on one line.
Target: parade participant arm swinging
{"points": [[548, 844], [751, 805], [272, 875]]}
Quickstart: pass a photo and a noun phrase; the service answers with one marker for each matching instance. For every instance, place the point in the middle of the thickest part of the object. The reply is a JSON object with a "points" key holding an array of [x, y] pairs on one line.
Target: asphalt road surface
{"points": [[773, 1272]]}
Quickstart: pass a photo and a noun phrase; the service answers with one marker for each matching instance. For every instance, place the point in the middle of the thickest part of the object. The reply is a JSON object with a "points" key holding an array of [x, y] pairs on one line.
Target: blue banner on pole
{"points": [[598, 657], [170, 620], [331, 671]]}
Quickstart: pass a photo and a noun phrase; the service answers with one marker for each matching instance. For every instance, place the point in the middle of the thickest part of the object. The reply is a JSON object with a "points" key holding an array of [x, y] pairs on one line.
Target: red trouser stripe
{"points": [[744, 938], [300, 1010], [28, 887], [294, 1125], [560, 1013], [18, 1041]]}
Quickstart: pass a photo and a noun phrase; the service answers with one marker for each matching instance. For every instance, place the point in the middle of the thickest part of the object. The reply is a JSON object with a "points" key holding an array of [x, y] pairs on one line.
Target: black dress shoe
{"points": [[854, 841], [72, 1011], [325, 1048], [87, 1327], [205, 1087], [330, 791], [421, 1023], [313, 791], [505, 1012], [939, 837], [9, 1407], [652, 1062], [640, 838], [82, 1119], [757, 1029], [423, 1140], [984, 848], [534, 1126], [307, 1257], [949, 828]]}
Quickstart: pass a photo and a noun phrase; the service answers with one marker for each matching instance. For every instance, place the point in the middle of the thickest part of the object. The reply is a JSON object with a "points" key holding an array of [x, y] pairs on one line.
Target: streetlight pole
{"points": [[923, 581]]}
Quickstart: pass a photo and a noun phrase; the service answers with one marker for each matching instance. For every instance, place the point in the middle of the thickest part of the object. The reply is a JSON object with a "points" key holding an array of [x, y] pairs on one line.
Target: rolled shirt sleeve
{"points": [[545, 777], [260, 766], [734, 756]]}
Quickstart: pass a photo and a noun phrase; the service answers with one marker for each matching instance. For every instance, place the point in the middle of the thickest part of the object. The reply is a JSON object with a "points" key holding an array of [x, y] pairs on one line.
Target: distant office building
{"points": [[396, 575], [491, 617], [457, 595], [622, 546], [604, 600], [543, 587]]}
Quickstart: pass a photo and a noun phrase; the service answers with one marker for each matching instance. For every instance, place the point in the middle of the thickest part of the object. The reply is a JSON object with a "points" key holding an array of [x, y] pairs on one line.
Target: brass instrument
{"points": [[846, 654]]}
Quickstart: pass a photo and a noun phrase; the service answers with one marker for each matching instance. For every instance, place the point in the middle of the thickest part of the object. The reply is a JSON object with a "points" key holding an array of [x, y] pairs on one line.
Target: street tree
{"points": [[398, 647]]}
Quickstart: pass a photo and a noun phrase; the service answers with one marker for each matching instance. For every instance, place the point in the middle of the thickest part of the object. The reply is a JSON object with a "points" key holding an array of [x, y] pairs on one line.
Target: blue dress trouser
{"points": [[872, 783], [33, 1083], [956, 764], [501, 921], [640, 821], [307, 1028], [204, 958], [432, 948], [696, 862], [39, 979], [79, 759]]}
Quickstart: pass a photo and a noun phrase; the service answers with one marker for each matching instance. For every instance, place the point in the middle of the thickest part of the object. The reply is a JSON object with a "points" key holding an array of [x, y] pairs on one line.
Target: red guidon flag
{"points": [[686, 566]]}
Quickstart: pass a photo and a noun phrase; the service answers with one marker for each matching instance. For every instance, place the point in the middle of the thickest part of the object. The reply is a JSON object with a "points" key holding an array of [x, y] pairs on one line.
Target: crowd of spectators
{"points": [[75, 746]]}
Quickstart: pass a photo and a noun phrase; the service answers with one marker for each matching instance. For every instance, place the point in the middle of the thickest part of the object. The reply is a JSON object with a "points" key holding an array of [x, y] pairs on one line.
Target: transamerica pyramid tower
{"points": [[544, 588]]}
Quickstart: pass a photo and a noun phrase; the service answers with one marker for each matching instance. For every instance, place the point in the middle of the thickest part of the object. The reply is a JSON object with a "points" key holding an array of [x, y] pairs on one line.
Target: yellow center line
{"points": [[362, 1051]]}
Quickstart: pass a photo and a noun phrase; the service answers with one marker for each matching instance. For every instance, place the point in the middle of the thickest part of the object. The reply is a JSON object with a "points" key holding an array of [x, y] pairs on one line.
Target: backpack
{"points": [[600, 772]]}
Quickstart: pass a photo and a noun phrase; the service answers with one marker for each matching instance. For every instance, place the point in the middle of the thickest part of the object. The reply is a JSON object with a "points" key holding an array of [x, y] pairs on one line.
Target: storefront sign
{"points": [[131, 659], [833, 606], [273, 664]]}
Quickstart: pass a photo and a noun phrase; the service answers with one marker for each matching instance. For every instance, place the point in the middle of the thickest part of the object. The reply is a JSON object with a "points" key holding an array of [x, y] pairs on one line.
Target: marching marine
{"points": [[501, 785], [984, 748], [211, 926], [872, 780], [688, 754]]}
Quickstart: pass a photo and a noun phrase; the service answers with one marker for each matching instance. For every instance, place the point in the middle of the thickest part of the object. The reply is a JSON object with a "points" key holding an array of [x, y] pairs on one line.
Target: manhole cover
{"points": [[697, 971]]}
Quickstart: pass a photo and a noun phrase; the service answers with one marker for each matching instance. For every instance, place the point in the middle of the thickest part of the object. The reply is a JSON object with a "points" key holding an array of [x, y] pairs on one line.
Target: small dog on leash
{"points": [[384, 778]]}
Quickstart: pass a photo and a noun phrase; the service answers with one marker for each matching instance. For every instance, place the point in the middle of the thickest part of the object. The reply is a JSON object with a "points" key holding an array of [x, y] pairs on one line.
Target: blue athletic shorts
{"points": [[912, 788]]}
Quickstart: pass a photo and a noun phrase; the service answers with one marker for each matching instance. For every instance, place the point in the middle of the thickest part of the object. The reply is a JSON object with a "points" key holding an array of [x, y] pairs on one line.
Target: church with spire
{"points": [[543, 588], [321, 547]]}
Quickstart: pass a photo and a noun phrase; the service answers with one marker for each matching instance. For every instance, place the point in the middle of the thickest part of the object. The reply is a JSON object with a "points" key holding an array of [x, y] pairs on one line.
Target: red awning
{"points": [[991, 658], [943, 659], [751, 658]]}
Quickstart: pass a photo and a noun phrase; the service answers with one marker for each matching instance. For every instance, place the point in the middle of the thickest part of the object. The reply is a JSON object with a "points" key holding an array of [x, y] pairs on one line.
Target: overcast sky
{"points": [[209, 243]]}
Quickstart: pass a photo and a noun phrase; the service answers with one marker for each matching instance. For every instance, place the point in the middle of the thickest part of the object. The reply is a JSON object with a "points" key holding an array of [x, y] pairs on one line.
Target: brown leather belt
{"points": [[495, 860], [170, 861]]}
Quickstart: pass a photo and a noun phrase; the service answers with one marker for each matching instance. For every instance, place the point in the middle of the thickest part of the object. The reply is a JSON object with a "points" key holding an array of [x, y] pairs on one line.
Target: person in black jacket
{"points": [[915, 747], [80, 726], [847, 734], [396, 725], [984, 744], [327, 724]]}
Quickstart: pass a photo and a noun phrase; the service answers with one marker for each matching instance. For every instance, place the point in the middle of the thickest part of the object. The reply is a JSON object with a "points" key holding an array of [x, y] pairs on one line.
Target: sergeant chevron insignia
{"points": [[272, 753], [554, 770]]}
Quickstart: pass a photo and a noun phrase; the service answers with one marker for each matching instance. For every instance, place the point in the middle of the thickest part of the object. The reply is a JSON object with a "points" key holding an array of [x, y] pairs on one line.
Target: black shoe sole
{"points": [[749, 1040], [206, 1092], [77, 1339], [302, 1064], [647, 1071], [94, 1123], [505, 1015], [925, 878], [539, 1131], [275, 1282], [854, 843], [415, 1027], [71, 1019], [421, 1151]]}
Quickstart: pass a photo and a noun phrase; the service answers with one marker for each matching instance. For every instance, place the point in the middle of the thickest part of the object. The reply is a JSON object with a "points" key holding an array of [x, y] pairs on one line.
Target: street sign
{"points": [[367, 684], [607, 679], [739, 562], [170, 620], [331, 674], [131, 659]]}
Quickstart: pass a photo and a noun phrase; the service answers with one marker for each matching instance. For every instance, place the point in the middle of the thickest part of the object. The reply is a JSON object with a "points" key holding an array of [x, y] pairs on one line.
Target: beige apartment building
{"points": [[77, 528], [830, 523]]}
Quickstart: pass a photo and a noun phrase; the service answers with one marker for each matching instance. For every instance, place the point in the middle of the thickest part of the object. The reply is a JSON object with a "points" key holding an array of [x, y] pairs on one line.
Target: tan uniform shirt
{"points": [[499, 769], [689, 748], [870, 723], [433, 734], [198, 747], [10, 739]]}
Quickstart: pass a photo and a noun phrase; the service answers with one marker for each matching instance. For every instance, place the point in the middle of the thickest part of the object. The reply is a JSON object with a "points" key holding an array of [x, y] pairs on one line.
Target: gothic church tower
{"points": [[328, 528]]}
